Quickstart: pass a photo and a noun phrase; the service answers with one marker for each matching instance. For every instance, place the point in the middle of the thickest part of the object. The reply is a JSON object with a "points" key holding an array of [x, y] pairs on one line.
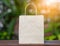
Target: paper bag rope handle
{"points": [[33, 5]]}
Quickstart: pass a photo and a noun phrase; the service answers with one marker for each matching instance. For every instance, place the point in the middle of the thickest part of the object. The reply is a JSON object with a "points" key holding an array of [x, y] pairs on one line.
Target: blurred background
{"points": [[11, 9]]}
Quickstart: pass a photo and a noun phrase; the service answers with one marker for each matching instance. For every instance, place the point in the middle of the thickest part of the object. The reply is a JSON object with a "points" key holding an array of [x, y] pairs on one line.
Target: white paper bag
{"points": [[31, 29]]}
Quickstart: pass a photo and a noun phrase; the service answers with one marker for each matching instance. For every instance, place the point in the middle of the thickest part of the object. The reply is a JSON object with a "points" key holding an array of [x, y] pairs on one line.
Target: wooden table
{"points": [[15, 43]]}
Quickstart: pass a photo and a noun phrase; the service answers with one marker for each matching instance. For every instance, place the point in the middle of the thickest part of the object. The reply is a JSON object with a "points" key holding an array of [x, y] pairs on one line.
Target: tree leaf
{"points": [[11, 26]]}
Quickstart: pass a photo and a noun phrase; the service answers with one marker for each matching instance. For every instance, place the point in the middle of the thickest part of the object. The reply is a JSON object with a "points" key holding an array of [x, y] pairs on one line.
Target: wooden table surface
{"points": [[15, 43]]}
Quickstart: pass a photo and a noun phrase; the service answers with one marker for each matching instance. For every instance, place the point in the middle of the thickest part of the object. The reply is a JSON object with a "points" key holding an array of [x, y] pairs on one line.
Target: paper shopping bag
{"points": [[31, 29]]}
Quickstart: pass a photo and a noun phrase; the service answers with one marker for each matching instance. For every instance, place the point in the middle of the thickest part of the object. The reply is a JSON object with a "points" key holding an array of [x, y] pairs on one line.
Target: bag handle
{"points": [[33, 5]]}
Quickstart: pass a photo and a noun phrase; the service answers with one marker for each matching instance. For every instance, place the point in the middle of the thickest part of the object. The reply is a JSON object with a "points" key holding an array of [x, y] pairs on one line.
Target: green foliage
{"points": [[49, 29], [55, 30], [10, 15], [11, 26]]}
